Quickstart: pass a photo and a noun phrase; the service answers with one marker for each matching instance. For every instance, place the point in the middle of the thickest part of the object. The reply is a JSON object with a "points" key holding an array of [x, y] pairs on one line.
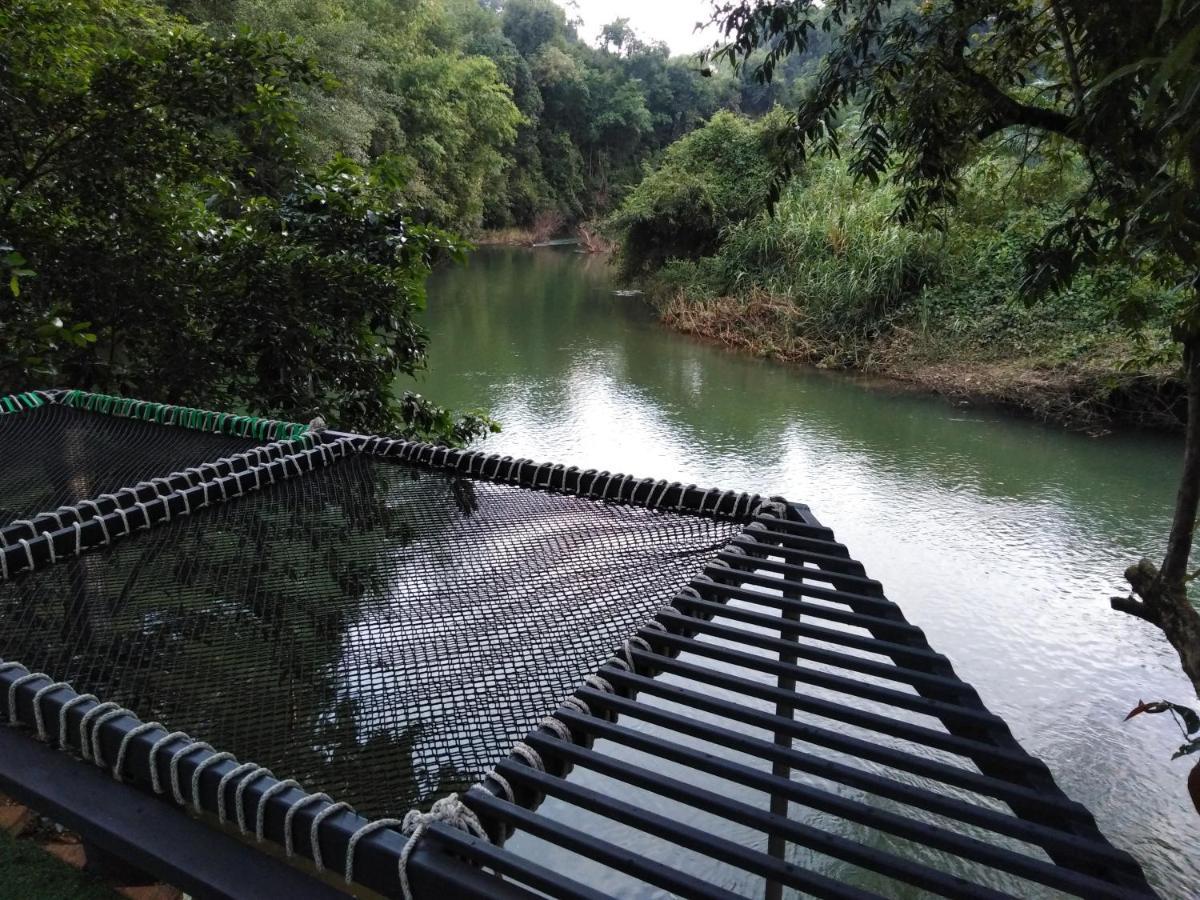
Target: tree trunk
{"points": [[1161, 593]]}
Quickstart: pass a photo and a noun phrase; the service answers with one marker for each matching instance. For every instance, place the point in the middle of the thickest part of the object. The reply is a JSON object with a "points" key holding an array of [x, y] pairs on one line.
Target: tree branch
{"points": [[1007, 112], [1183, 526], [1064, 34], [1134, 607]]}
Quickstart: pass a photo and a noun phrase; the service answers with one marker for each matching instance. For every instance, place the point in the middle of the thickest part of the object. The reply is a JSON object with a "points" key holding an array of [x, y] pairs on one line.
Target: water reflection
{"points": [[1001, 538]]}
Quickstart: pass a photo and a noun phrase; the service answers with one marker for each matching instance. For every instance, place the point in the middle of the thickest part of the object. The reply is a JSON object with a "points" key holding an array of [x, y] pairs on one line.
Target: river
{"points": [[1001, 538]]}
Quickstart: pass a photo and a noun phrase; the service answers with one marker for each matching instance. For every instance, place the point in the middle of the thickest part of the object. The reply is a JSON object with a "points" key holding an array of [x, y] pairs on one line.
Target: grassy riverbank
{"points": [[832, 279], [1091, 389]]}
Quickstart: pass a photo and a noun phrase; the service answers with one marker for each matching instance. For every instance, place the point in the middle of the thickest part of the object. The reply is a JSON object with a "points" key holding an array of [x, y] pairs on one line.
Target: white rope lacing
{"points": [[314, 830], [240, 791], [176, 758], [261, 813], [12, 692], [600, 683], [657, 502], [530, 756], [369, 828], [627, 649], [86, 742], [62, 716], [24, 542], [558, 727], [577, 704], [39, 717], [116, 713], [505, 785], [204, 764], [223, 784], [306, 800], [118, 768], [155, 781]]}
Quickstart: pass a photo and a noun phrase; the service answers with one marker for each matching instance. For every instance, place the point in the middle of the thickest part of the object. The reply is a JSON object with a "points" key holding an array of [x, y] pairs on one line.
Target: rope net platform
{"points": [[449, 667]]}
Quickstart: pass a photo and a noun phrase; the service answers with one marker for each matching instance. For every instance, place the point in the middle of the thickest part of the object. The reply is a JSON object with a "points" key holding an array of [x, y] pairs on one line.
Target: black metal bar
{"points": [[827, 562], [931, 835], [791, 526], [588, 484], [377, 853], [1085, 851], [679, 883], [128, 497], [966, 714], [1057, 806], [776, 844], [1037, 777], [481, 853], [102, 530], [860, 603], [840, 712], [833, 548], [901, 630], [174, 848], [916, 653], [685, 835], [687, 627], [839, 580], [743, 813], [886, 670]]}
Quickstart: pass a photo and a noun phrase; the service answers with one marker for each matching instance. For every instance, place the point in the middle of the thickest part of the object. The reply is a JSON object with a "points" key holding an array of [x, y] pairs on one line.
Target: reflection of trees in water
{"points": [[229, 625]]}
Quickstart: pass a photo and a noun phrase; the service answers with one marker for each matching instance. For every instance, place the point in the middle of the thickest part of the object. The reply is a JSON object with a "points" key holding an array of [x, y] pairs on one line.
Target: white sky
{"points": [[671, 21]]}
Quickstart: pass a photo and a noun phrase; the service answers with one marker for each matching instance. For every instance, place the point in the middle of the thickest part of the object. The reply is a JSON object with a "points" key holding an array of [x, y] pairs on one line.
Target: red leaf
{"points": [[1142, 707]]}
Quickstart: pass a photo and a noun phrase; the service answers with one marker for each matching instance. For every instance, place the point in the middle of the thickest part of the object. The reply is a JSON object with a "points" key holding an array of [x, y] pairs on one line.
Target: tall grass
{"points": [[831, 248], [852, 275]]}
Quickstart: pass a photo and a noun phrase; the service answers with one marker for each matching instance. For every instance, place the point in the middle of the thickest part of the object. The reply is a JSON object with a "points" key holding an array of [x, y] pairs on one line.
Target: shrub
{"points": [[713, 178]]}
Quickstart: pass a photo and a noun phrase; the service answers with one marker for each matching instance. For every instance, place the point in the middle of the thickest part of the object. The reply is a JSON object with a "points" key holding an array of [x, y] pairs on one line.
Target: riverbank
{"points": [[506, 237], [545, 233], [1090, 390]]}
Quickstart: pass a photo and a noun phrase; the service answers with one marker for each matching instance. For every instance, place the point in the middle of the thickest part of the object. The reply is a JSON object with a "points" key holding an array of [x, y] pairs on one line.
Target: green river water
{"points": [[1001, 538]]}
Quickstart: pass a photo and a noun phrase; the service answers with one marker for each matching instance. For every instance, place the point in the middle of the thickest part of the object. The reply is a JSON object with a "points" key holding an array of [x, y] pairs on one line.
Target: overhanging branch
{"points": [[1004, 110]]}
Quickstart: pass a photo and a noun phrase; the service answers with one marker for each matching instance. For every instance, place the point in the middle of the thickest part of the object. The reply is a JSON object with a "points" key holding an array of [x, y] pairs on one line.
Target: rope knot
{"points": [[449, 810]]}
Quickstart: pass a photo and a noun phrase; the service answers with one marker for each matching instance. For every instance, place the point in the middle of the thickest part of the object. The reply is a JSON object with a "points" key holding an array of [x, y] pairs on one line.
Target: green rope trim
{"points": [[12, 403], [185, 417]]}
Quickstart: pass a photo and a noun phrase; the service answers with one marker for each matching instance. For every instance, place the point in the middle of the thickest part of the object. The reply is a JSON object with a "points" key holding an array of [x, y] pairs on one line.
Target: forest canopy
{"points": [[235, 203]]}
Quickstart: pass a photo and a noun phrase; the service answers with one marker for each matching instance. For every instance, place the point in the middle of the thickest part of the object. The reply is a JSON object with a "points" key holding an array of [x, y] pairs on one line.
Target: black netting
{"points": [[378, 631], [57, 456]]}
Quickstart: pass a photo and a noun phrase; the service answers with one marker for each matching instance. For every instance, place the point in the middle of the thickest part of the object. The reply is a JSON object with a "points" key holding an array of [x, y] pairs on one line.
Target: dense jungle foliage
{"points": [[873, 260], [830, 276], [235, 203], [495, 110]]}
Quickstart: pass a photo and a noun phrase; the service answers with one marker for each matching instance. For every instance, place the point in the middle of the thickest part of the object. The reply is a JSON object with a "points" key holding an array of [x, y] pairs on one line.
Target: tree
{"points": [[937, 83], [708, 181], [404, 82], [164, 239], [531, 24]]}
